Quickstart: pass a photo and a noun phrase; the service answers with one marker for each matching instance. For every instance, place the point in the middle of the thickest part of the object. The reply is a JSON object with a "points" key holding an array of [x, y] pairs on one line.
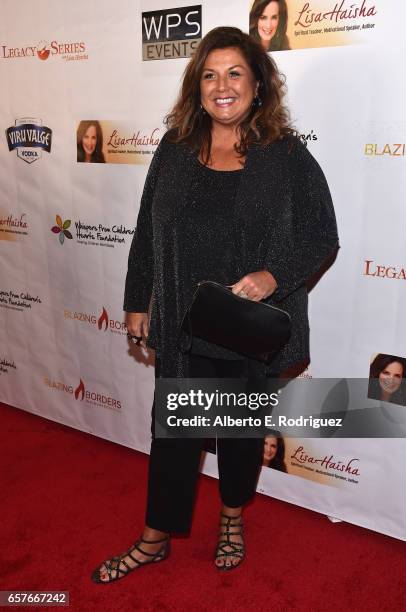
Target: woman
{"points": [[90, 142], [268, 24], [233, 197], [386, 379], [274, 453]]}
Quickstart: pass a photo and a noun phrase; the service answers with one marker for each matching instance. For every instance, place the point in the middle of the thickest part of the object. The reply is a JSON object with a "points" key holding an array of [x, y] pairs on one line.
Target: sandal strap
{"points": [[224, 543], [124, 562], [110, 568], [237, 549], [165, 539], [238, 528], [121, 567], [227, 516], [144, 552], [230, 526], [227, 528], [230, 553], [128, 553], [225, 537]]}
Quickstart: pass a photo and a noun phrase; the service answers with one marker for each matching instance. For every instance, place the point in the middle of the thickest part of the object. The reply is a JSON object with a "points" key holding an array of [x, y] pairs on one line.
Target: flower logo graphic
{"points": [[61, 228]]}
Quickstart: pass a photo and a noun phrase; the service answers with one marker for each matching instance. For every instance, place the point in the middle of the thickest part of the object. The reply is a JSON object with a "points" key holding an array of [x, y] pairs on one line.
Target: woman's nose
{"points": [[222, 83]]}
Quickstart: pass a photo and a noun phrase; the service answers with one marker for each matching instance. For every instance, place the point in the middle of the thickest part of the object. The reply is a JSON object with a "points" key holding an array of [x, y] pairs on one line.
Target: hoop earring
{"points": [[257, 101]]}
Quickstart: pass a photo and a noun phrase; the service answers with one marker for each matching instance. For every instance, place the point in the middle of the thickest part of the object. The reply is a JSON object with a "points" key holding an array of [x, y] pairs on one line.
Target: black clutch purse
{"points": [[253, 329]]}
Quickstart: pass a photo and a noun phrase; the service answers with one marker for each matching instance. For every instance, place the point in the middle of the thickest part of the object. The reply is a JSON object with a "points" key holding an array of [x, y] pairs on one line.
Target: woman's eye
{"points": [[209, 75], [234, 73]]}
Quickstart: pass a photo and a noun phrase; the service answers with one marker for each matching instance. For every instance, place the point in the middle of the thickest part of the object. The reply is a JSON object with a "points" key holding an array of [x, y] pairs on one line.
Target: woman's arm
{"points": [[306, 232], [139, 279]]}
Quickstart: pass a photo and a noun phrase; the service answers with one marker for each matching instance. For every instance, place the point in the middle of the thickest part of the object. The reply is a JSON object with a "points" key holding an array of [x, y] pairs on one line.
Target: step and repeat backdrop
{"points": [[85, 86]]}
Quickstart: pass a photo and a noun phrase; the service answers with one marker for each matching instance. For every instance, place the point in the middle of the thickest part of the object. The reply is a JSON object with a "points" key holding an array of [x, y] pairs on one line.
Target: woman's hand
{"points": [[138, 325], [255, 286]]}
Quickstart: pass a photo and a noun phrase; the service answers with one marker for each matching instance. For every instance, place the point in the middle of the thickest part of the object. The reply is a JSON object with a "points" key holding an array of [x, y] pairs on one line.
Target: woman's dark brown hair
{"points": [[268, 119], [280, 41], [97, 155]]}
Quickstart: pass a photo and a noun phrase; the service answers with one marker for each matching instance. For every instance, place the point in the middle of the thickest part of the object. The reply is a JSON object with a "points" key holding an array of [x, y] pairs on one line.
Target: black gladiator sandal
{"points": [[115, 563], [225, 547]]}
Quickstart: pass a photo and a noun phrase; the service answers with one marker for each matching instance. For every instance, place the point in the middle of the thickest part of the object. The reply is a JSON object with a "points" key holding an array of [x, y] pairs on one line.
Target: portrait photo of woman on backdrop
{"points": [[387, 379], [268, 24], [274, 453], [89, 138]]}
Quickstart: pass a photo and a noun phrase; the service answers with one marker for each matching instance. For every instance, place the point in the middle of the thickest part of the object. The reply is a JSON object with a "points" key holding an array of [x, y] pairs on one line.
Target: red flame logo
{"points": [[104, 318], [80, 390]]}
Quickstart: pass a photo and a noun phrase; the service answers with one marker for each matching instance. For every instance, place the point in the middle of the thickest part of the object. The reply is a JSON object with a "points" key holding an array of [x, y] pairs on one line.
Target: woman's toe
{"points": [[103, 572]]}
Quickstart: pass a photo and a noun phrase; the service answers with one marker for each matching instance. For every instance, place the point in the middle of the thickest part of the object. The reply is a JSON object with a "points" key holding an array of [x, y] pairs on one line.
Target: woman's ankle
{"points": [[232, 512], [153, 534]]}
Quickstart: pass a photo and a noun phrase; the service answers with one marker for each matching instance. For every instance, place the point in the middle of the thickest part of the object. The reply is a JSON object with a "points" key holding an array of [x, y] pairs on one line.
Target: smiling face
{"points": [[268, 23], [390, 378], [227, 86], [89, 141], [270, 448]]}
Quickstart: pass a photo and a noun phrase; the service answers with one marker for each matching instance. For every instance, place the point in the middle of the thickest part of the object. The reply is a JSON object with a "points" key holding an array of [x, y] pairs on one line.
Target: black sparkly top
{"points": [[284, 222], [209, 241]]}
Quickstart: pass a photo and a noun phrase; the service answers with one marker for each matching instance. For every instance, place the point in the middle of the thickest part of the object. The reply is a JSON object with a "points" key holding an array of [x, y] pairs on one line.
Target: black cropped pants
{"points": [[174, 463]]}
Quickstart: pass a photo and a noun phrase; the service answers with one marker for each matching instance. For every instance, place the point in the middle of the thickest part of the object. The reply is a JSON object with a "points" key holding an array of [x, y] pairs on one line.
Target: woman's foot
{"points": [[152, 547], [230, 550]]}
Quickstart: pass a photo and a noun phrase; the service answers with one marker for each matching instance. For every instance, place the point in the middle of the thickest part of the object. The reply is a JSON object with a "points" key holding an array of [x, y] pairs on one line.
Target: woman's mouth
{"points": [[388, 384], [224, 101]]}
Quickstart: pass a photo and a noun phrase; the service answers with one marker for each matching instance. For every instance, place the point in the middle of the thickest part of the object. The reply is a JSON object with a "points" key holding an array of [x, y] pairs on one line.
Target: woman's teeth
{"points": [[224, 100]]}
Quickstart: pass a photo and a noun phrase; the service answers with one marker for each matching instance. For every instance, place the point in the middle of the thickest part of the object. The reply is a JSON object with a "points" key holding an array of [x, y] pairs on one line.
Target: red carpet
{"points": [[71, 499]]}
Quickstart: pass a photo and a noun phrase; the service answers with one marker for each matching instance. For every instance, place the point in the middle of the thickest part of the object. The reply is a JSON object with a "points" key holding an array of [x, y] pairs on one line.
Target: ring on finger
{"points": [[135, 339]]}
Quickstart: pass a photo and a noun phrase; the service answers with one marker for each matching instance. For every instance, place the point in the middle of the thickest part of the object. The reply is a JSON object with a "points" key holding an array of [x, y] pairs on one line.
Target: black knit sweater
{"points": [[283, 222]]}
